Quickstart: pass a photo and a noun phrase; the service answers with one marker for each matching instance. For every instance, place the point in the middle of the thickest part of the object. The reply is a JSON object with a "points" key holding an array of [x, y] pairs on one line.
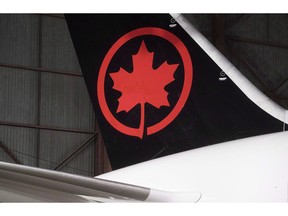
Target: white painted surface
{"points": [[247, 170]]}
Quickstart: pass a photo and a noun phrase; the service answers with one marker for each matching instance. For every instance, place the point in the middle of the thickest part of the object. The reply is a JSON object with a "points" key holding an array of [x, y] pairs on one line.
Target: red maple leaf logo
{"points": [[144, 85]]}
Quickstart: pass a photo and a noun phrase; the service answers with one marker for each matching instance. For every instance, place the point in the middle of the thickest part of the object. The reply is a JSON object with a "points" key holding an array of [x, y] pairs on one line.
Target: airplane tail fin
{"points": [[159, 87]]}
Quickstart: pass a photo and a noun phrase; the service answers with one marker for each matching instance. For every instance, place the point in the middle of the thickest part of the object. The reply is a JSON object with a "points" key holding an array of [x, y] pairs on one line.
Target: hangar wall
{"points": [[45, 112], [257, 44]]}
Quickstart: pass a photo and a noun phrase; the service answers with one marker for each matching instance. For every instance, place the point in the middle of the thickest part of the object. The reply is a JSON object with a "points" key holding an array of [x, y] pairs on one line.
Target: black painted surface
{"points": [[215, 111]]}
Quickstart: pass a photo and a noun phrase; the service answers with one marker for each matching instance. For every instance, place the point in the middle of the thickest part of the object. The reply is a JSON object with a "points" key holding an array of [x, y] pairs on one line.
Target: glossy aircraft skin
{"points": [[247, 170]]}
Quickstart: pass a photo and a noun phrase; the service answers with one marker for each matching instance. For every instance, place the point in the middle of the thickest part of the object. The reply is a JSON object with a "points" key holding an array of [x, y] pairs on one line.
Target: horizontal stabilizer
{"points": [[20, 183]]}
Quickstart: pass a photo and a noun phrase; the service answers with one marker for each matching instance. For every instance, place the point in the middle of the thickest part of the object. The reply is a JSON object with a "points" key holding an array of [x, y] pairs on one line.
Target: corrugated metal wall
{"points": [[41, 86], [260, 50], [257, 44]]}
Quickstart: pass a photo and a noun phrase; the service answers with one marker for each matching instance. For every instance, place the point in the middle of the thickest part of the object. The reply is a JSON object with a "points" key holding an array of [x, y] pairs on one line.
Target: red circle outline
{"points": [[188, 77]]}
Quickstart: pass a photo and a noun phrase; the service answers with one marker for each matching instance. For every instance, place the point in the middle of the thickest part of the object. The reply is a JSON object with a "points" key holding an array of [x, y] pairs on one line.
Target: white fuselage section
{"points": [[247, 170]]}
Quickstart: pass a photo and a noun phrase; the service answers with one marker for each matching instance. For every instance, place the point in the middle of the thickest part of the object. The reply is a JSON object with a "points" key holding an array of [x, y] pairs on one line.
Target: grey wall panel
{"points": [[56, 146], [18, 95], [278, 59], [282, 93], [21, 141], [19, 39], [252, 27], [203, 22], [269, 63], [4, 157], [83, 163], [278, 28], [57, 48], [232, 19], [65, 102]]}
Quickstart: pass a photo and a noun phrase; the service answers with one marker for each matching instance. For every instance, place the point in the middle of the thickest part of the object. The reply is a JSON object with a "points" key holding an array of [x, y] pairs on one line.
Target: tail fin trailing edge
{"points": [[250, 90]]}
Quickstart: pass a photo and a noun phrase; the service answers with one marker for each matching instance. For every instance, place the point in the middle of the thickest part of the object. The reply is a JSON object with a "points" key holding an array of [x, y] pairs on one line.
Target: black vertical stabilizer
{"points": [[155, 91]]}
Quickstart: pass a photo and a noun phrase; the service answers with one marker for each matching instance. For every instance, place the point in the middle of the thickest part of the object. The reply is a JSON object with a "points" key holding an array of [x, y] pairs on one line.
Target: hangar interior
{"points": [[46, 117]]}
